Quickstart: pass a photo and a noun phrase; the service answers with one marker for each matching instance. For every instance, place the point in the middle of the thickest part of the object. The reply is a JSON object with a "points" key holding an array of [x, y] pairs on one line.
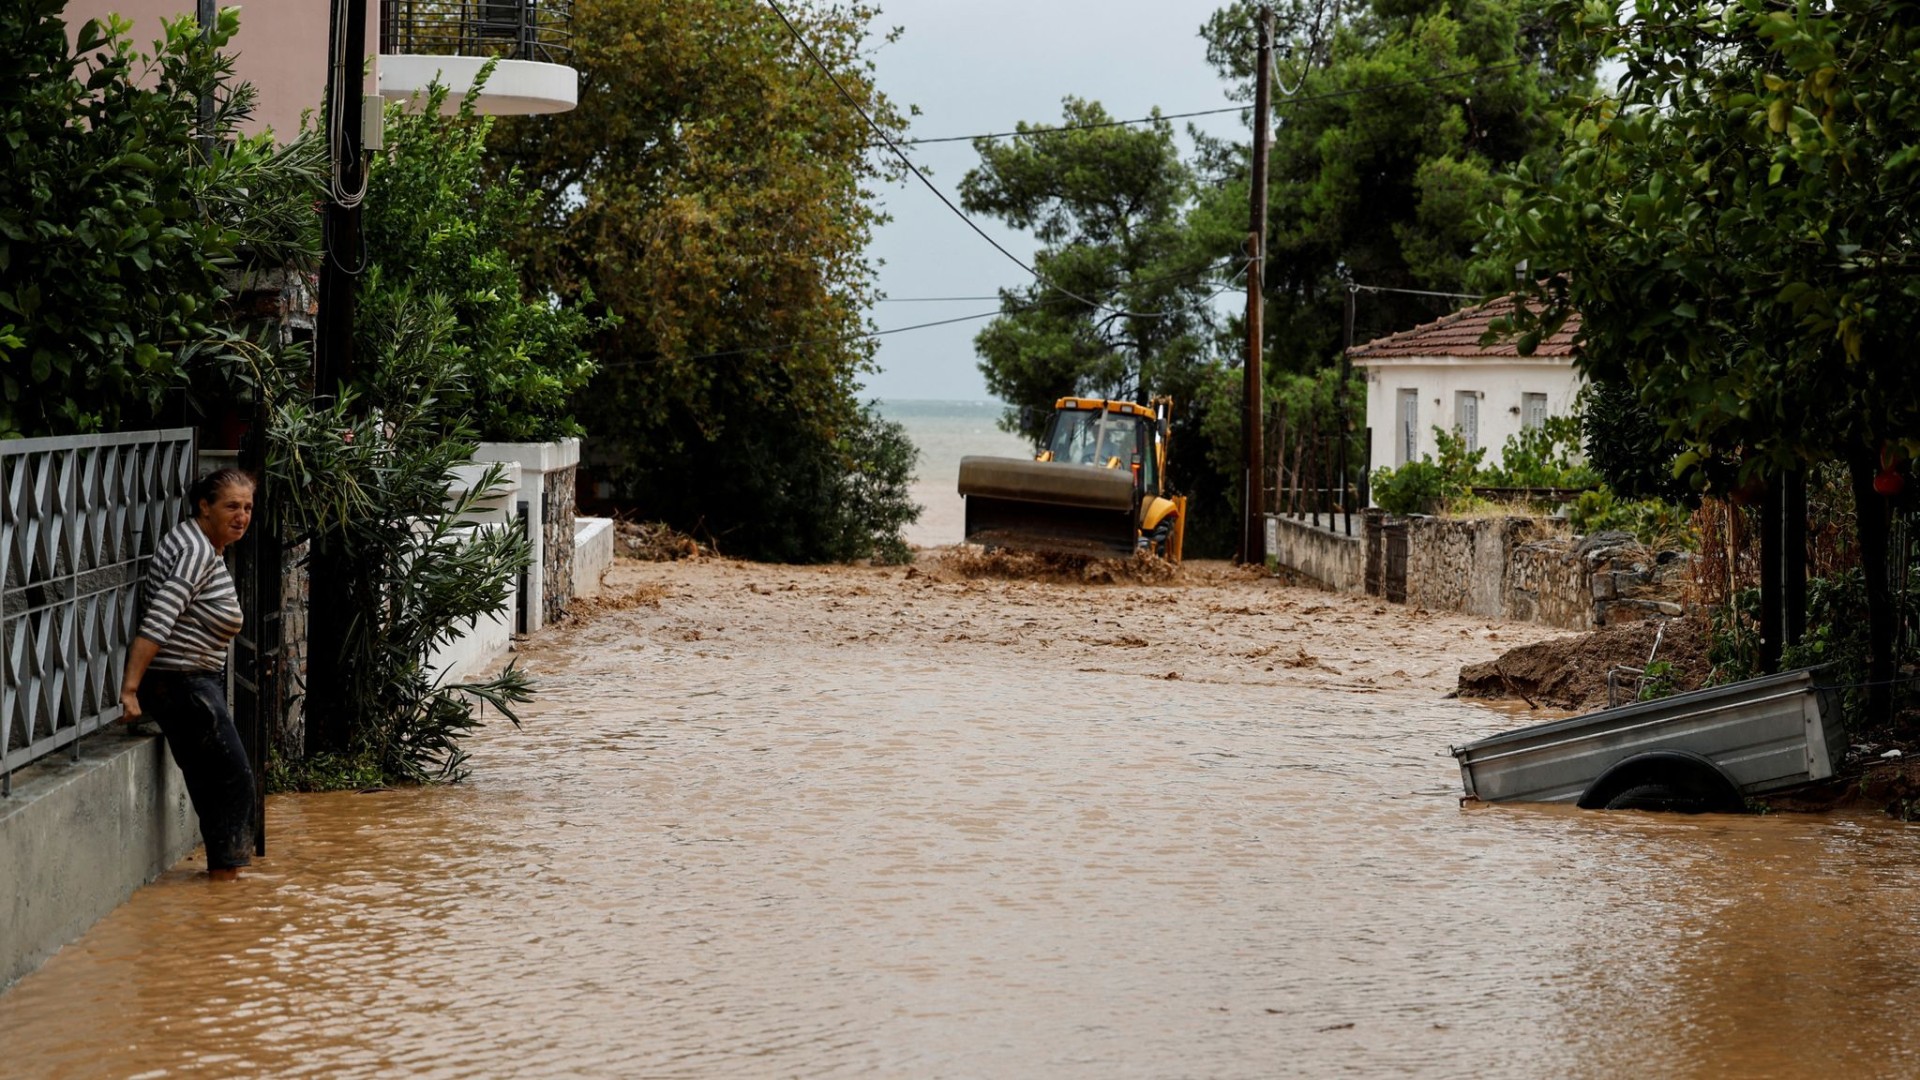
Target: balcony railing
{"points": [[537, 30]]}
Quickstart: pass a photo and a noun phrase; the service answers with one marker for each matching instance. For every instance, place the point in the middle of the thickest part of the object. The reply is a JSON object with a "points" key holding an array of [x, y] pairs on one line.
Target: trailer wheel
{"points": [[1672, 780], [1662, 797]]}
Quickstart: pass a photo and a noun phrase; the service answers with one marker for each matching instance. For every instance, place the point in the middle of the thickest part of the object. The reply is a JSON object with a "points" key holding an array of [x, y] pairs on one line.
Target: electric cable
{"points": [[1352, 287], [869, 334], [1308, 99], [818, 62], [336, 127]]}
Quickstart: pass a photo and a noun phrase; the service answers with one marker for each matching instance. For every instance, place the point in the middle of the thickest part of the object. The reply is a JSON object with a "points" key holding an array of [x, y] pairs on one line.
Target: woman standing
{"points": [[176, 669]]}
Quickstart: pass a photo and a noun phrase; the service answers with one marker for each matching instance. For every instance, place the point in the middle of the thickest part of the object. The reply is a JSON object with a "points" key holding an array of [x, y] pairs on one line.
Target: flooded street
{"points": [[773, 822]]}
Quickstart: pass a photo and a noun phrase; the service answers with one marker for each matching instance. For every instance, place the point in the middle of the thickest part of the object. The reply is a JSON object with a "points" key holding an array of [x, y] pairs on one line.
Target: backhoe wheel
{"points": [[1160, 541]]}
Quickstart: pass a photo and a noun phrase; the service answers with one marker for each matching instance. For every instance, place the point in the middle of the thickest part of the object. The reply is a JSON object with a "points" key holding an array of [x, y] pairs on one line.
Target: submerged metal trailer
{"points": [[1708, 750]]}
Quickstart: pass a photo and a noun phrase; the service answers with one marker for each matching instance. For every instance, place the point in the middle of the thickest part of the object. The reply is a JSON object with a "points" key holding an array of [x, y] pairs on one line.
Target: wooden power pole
{"points": [[329, 612], [1254, 537]]}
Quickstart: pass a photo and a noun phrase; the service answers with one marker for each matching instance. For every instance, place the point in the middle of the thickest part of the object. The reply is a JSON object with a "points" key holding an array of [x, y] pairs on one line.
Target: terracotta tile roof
{"points": [[1458, 336]]}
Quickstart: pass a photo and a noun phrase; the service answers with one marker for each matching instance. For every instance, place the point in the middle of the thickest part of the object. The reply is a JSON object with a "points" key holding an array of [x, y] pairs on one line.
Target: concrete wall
{"points": [[491, 636], [1317, 552], [76, 840], [1499, 387], [592, 554]]}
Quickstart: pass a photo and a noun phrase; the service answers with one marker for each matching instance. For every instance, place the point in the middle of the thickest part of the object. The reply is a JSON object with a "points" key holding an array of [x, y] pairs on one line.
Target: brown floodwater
{"points": [[865, 830]]}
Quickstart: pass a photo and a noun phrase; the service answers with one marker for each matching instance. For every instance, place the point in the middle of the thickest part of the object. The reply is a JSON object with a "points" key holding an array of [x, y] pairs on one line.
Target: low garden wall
{"points": [[1318, 549], [1519, 569]]}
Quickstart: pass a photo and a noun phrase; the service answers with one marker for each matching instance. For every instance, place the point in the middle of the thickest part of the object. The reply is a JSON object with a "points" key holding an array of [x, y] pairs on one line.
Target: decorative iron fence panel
{"points": [[79, 519]]}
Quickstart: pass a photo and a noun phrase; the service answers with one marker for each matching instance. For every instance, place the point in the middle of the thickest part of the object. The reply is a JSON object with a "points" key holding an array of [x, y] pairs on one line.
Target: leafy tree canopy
{"points": [[438, 223], [712, 190], [1735, 229], [1118, 307], [1392, 120], [125, 218]]}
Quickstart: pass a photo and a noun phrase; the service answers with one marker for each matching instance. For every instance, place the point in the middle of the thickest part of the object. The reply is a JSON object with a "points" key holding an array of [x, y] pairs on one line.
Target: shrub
{"points": [[436, 223], [1656, 523], [1427, 486]]}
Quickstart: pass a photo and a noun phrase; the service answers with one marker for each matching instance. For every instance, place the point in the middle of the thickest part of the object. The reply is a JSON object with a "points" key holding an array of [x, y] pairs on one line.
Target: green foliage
{"points": [[1657, 682], [1627, 446], [118, 232], [437, 223], [367, 479], [1733, 232], [1733, 640], [1380, 186], [1428, 486], [1660, 525], [1542, 457], [874, 504], [712, 190], [1117, 310]]}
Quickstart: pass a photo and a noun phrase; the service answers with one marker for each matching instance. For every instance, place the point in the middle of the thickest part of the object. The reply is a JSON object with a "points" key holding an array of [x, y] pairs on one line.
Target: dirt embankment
{"points": [[1570, 671]]}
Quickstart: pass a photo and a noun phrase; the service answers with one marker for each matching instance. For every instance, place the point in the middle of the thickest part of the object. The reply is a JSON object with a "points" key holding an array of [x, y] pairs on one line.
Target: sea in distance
{"points": [[945, 432]]}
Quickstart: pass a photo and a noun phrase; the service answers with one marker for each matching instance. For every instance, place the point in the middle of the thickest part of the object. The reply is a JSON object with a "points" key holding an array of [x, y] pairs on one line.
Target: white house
{"points": [[1439, 375]]}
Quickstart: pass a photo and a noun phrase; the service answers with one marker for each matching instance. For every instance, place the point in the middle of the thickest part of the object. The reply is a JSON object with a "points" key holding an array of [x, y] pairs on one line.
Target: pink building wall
{"points": [[281, 49]]}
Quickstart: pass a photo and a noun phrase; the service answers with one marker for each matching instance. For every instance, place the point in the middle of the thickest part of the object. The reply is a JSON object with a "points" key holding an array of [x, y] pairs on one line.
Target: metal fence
{"points": [[540, 30], [79, 519]]}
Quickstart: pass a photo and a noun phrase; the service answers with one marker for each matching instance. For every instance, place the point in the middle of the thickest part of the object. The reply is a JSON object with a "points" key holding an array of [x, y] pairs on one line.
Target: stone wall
{"points": [[556, 523], [1521, 569]]}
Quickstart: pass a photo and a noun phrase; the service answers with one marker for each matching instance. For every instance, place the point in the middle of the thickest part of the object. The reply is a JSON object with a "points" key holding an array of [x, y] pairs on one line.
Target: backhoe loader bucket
{"points": [[1048, 506]]}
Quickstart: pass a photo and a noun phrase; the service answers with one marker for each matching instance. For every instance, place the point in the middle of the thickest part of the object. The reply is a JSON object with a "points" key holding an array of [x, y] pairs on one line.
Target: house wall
{"points": [[281, 49], [1501, 385]]}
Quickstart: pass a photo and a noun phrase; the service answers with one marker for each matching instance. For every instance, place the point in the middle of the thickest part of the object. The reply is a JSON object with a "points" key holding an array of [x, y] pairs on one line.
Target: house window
{"points": [[1466, 418], [1533, 410], [1409, 448]]}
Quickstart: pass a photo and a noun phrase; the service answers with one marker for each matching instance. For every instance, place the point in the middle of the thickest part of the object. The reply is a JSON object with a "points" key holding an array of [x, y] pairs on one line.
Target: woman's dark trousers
{"points": [[191, 707]]}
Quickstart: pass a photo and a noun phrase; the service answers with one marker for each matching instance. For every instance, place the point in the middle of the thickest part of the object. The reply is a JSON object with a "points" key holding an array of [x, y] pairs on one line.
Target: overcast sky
{"points": [[982, 66]]}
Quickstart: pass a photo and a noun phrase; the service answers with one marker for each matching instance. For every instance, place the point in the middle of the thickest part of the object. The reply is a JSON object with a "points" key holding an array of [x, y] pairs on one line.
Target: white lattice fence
{"points": [[79, 518]]}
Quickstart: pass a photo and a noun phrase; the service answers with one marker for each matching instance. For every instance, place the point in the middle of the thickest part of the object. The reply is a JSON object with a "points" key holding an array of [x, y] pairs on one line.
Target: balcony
{"points": [[422, 41]]}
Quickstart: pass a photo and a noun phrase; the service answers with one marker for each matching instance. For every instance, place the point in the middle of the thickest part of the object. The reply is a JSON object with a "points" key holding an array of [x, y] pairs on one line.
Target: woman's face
{"points": [[226, 516]]}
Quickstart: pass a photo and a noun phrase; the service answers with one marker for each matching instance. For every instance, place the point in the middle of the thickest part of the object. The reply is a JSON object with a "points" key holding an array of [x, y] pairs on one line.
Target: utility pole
{"points": [[329, 613], [1254, 537]]}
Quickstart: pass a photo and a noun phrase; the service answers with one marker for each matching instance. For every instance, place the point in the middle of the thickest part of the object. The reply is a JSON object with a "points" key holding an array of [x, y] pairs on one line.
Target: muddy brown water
{"points": [[848, 823]]}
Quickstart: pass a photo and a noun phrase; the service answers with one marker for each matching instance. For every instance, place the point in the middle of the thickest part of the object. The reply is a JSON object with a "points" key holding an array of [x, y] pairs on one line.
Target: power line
{"points": [[1415, 292], [866, 335], [1308, 99], [807, 46]]}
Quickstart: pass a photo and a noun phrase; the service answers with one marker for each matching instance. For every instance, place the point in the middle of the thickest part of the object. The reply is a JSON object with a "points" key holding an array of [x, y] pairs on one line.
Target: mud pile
{"points": [[1571, 672], [968, 562]]}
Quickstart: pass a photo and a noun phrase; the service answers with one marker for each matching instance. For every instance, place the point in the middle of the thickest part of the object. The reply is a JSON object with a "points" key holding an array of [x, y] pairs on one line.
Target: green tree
{"points": [[1392, 120], [125, 219], [712, 191], [1118, 308], [437, 223], [1735, 230]]}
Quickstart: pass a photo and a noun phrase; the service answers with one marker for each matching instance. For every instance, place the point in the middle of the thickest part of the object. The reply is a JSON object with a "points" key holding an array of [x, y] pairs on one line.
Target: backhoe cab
{"points": [[1098, 486]]}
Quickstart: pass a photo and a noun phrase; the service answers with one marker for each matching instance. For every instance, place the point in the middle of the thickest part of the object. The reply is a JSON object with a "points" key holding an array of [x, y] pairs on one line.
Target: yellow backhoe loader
{"points": [[1098, 486]]}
